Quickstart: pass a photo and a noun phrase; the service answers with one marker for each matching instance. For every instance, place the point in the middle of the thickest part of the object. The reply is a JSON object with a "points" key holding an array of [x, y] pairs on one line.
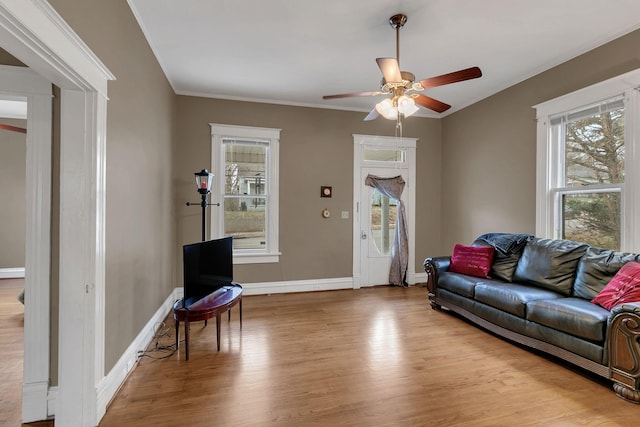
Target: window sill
{"points": [[256, 258]]}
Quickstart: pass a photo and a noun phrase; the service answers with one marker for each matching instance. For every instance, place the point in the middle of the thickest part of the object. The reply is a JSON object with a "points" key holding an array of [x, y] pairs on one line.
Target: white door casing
{"points": [[369, 266], [33, 32]]}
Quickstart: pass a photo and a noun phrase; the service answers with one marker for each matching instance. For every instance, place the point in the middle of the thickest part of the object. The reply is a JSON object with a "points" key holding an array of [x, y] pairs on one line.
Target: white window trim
{"points": [[547, 157], [218, 133]]}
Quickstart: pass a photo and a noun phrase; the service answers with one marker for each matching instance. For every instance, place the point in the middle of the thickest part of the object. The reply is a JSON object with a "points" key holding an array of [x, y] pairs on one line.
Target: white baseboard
{"points": [[108, 387], [51, 401], [33, 397], [297, 286], [421, 277], [308, 285], [12, 273]]}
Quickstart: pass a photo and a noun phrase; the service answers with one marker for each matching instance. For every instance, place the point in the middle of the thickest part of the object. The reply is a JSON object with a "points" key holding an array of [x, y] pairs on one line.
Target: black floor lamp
{"points": [[204, 179]]}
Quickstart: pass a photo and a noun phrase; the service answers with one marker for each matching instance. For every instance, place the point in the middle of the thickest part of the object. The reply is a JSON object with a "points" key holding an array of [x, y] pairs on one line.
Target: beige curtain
{"points": [[392, 188]]}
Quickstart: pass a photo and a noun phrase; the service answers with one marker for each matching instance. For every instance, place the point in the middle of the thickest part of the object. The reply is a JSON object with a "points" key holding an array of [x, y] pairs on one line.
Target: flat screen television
{"points": [[208, 266]]}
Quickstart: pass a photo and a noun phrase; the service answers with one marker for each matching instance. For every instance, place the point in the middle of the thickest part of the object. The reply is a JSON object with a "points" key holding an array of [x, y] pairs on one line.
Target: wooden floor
{"points": [[11, 351], [370, 357]]}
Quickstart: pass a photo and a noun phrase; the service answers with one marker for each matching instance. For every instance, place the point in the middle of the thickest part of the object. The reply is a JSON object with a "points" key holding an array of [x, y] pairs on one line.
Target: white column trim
{"points": [[25, 83], [38, 256], [98, 210], [79, 231]]}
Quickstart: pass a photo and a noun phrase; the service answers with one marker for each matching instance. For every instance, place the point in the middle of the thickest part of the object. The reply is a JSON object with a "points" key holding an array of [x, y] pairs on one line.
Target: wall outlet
{"points": [[345, 215]]}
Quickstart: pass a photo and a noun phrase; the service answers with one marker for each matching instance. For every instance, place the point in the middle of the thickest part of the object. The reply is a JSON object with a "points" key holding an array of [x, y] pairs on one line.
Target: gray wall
{"points": [[7, 59], [140, 238], [13, 158], [488, 149], [316, 148]]}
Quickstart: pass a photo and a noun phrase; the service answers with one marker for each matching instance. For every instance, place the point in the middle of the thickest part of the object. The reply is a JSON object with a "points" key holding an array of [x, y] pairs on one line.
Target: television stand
{"points": [[213, 305]]}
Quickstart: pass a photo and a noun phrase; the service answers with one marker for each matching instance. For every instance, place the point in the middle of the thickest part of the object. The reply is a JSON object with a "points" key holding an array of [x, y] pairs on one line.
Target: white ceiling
{"points": [[295, 51]]}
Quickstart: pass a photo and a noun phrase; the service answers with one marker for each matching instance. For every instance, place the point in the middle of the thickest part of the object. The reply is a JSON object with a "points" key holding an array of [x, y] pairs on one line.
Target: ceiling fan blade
{"points": [[390, 69], [456, 76], [432, 104], [348, 95], [372, 115], [13, 128]]}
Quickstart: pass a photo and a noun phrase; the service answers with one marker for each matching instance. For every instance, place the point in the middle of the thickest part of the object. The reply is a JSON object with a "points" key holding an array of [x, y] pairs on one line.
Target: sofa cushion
{"points": [[575, 316], [471, 260], [510, 297], [508, 249], [550, 264], [585, 348], [460, 284], [596, 268], [624, 287]]}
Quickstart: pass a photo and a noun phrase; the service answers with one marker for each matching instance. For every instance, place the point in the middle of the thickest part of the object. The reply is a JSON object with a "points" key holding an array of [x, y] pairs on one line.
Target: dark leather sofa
{"points": [[539, 295]]}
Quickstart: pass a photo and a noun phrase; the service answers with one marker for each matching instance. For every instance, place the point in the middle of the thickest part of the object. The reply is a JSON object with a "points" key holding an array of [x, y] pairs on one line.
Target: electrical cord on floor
{"points": [[160, 330]]}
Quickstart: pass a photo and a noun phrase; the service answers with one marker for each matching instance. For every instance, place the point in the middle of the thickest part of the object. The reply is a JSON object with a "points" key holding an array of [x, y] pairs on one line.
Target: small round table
{"points": [[213, 305]]}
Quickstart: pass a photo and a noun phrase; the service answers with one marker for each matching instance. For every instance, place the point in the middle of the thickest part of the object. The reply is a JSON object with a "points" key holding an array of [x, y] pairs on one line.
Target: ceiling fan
{"points": [[13, 128], [401, 85]]}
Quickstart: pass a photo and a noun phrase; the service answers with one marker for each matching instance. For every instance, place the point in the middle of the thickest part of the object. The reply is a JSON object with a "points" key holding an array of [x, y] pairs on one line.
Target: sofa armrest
{"points": [[623, 337], [433, 266], [628, 307]]}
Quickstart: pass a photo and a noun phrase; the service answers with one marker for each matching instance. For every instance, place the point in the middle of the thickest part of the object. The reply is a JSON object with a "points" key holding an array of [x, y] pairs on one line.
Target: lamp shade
{"points": [[204, 179], [406, 105], [387, 109]]}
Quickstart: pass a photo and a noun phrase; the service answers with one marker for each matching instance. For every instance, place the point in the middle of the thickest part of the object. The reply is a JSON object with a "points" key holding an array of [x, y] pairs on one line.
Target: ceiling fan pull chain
{"points": [[399, 127]]}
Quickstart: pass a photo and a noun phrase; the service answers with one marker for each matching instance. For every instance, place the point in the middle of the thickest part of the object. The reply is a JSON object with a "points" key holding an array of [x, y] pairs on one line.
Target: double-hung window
{"points": [[245, 163], [586, 161]]}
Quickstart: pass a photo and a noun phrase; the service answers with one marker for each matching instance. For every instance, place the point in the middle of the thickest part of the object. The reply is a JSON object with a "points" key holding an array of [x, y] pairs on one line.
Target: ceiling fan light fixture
{"points": [[406, 105], [400, 85], [387, 109]]}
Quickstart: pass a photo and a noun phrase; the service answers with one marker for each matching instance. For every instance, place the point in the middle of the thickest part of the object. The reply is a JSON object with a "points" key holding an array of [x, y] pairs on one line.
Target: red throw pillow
{"points": [[472, 260], [624, 287]]}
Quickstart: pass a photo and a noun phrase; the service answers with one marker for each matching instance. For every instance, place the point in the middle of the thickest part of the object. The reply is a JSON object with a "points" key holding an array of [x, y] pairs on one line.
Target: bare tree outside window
{"points": [[594, 159]]}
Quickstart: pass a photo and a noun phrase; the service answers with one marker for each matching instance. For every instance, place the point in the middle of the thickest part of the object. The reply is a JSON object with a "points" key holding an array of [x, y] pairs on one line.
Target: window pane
{"points": [[245, 161], [244, 169], [383, 221], [594, 149], [244, 219], [593, 218], [384, 155]]}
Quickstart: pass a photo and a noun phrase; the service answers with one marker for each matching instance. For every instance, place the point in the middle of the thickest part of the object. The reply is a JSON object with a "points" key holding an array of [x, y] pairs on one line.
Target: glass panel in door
{"points": [[383, 221]]}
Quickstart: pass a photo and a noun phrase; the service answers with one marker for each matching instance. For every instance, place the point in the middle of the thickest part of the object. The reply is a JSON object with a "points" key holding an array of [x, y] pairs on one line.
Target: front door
{"points": [[378, 224], [375, 214]]}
